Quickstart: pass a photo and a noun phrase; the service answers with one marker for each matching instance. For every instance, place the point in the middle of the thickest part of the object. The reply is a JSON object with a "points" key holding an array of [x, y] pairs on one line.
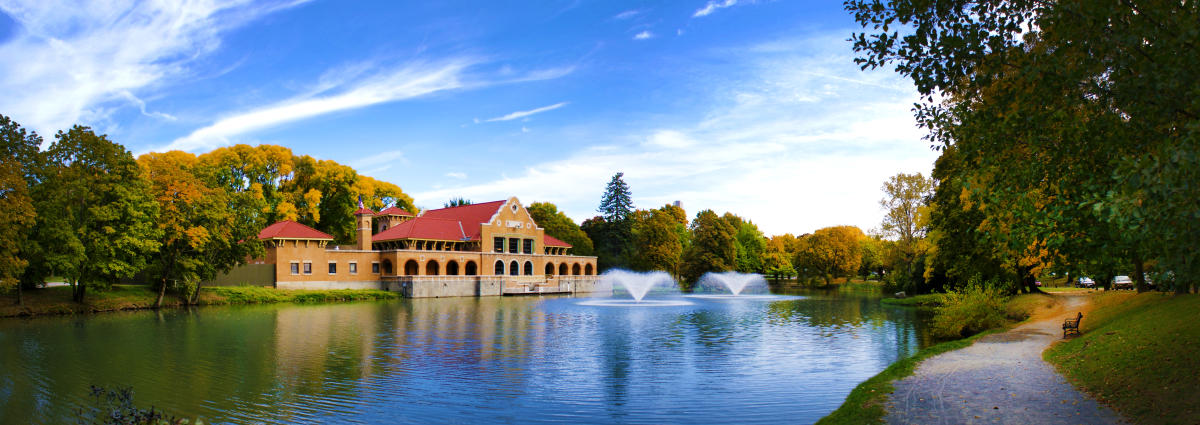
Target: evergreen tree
{"points": [[613, 233], [617, 203]]}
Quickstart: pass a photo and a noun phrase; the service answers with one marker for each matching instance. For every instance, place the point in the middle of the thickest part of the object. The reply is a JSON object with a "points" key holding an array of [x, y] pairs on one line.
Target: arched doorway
{"points": [[562, 268], [432, 268], [587, 270], [514, 268], [575, 269], [549, 268], [387, 267], [528, 268], [452, 268], [499, 268], [411, 268], [471, 269]]}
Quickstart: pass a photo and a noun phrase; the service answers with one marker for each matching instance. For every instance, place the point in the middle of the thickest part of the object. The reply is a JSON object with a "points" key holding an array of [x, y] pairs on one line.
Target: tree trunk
{"points": [[80, 291], [1069, 284], [1139, 274], [162, 290]]}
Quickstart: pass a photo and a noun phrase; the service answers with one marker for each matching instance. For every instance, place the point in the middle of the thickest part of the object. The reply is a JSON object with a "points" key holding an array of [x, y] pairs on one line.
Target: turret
{"points": [[363, 217]]}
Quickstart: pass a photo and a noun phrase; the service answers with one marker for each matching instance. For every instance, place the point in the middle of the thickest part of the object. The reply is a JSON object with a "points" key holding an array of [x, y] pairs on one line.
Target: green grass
{"points": [[922, 301], [57, 300], [865, 403], [1137, 353]]}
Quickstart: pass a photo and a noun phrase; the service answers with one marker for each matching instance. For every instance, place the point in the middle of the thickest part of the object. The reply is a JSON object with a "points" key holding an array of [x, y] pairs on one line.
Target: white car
{"points": [[1122, 282], [1085, 282]]}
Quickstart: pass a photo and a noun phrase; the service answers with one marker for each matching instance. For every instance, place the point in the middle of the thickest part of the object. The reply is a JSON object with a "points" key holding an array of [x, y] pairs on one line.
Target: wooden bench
{"points": [[1071, 326]]}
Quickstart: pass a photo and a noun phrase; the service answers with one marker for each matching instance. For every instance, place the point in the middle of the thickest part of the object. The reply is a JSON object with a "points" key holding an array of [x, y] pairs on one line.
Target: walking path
{"points": [[999, 379]]}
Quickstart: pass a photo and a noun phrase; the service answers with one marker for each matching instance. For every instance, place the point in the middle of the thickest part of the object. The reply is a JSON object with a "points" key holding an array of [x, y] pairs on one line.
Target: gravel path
{"points": [[1000, 379]]}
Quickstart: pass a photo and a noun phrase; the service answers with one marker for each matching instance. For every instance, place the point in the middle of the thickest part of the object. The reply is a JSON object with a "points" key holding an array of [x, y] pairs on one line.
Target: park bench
{"points": [[1071, 326]]}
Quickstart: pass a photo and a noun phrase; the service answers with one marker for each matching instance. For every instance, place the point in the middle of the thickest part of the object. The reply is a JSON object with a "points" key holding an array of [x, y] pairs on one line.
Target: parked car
{"points": [[1122, 282], [1085, 282]]}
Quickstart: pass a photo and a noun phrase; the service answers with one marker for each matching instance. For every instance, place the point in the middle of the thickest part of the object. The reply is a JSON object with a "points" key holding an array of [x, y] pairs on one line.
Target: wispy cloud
{"points": [[523, 114], [456, 175], [81, 61], [644, 35], [627, 14], [712, 6], [406, 82]]}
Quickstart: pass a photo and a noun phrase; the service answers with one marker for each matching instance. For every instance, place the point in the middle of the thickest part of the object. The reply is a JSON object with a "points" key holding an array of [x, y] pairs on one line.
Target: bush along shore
{"points": [[57, 300], [1136, 353]]}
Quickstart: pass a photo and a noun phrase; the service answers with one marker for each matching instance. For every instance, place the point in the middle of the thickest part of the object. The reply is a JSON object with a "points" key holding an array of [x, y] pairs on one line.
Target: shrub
{"points": [[975, 308]]}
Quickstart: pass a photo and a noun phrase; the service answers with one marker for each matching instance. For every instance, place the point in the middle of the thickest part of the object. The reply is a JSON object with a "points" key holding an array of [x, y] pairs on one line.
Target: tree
{"points": [[777, 261], [102, 227], [20, 162], [713, 248], [833, 251], [656, 244], [751, 244], [457, 202], [558, 225], [905, 219], [612, 234], [617, 202]]}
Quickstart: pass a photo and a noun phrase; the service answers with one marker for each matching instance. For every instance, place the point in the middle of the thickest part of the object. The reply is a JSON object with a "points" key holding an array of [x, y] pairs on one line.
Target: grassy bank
{"points": [[1137, 353], [923, 301], [57, 300]]}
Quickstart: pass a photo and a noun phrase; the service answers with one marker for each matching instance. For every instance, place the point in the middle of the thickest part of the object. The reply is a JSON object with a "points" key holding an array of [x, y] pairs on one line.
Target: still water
{"points": [[463, 360]]}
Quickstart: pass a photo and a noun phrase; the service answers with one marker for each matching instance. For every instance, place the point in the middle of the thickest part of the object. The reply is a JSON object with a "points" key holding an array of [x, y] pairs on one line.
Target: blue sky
{"points": [[753, 107]]}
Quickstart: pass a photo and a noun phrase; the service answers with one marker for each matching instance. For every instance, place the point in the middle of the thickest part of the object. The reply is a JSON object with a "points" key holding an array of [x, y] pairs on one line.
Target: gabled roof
{"points": [[288, 229], [471, 216], [392, 210], [364, 210], [438, 229], [548, 240]]}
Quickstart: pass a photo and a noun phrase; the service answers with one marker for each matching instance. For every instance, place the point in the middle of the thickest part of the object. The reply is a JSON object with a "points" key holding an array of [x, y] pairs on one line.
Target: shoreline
{"points": [[56, 301]]}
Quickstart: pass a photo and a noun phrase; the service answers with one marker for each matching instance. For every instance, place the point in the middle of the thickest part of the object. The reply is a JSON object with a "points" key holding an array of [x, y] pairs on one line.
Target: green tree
{"points": [[457, 202], [906, 221], [20, 162], [777, 261], [558, 225], [103, 227], [713, 248], [656, 243], [612, 231], [833, 252], [751, 244]]}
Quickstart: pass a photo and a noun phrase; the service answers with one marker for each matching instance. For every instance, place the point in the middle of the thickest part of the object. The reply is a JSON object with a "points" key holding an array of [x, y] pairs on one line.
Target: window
{"points": [[375, 267], [499, 268], [512, 245], [527, 246], [295, 267], [333, 267], [353, 267], [498, 244], [307, 267], [514, 269]]}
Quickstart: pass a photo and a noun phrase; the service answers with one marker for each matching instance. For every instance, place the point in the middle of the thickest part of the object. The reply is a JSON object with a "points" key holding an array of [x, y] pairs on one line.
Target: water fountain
{"points": [[735, 282], [637, 285]]}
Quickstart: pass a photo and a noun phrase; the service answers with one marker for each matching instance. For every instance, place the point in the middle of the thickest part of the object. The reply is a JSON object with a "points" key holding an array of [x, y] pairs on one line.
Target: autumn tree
{"points": [[20, 162], [713, 248], [777, 261], [557, 224], [833, 251], [102, 228], [655, 242]]}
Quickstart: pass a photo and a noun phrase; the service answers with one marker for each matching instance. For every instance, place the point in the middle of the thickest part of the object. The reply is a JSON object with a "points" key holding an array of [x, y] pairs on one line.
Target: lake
{"points": [[786, 359]]}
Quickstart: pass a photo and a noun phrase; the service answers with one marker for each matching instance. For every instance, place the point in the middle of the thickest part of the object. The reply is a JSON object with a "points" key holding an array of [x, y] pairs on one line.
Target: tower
{"points": [[363, 217]]}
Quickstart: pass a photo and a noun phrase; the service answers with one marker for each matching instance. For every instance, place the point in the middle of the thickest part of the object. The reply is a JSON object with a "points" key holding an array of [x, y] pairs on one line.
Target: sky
{"points": [[749, 107]]}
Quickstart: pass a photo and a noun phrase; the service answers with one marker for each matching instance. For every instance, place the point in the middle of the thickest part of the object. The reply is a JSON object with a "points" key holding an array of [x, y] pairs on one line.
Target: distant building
{"points": [[678, 204], [492, 248]]}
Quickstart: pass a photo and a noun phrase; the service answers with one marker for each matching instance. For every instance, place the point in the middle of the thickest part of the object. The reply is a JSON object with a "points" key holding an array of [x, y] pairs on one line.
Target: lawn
{"points": [[57, 300], [1137, 353]]}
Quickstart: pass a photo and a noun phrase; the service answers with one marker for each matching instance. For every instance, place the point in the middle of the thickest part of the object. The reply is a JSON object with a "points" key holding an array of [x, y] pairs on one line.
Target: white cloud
{"points": [[712, 6], [644, 35], [456, 175], [804, 141], [627, 14], [523, 114], [81, 61]]}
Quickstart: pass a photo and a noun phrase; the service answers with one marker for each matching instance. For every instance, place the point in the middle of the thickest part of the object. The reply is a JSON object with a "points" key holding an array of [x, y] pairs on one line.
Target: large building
{"points": [[492, 248]]}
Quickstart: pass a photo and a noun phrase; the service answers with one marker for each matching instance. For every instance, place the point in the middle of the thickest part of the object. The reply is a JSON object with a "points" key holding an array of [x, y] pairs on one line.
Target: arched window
{"points": [[528, 268], [575, 269], [432, 268], [471, 268], [411, 268], [452, 268], [562, 268], [587, 270], [549, 268], [499, 267], [514, 268]]}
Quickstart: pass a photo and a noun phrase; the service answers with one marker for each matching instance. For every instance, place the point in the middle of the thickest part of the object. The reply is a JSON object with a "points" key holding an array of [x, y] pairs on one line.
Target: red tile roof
{"points": [[471, 216], [288, 229], [364, 210], [395, 211], [548, 240], [438, 229]]}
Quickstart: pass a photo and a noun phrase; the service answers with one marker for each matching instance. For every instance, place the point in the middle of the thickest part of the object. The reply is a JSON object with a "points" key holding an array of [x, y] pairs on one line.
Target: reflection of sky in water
{"points": [[464, 360]]}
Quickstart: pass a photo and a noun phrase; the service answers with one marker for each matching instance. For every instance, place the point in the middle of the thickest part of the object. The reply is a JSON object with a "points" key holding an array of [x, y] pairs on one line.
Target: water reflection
{"points": [[463, 360]]}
